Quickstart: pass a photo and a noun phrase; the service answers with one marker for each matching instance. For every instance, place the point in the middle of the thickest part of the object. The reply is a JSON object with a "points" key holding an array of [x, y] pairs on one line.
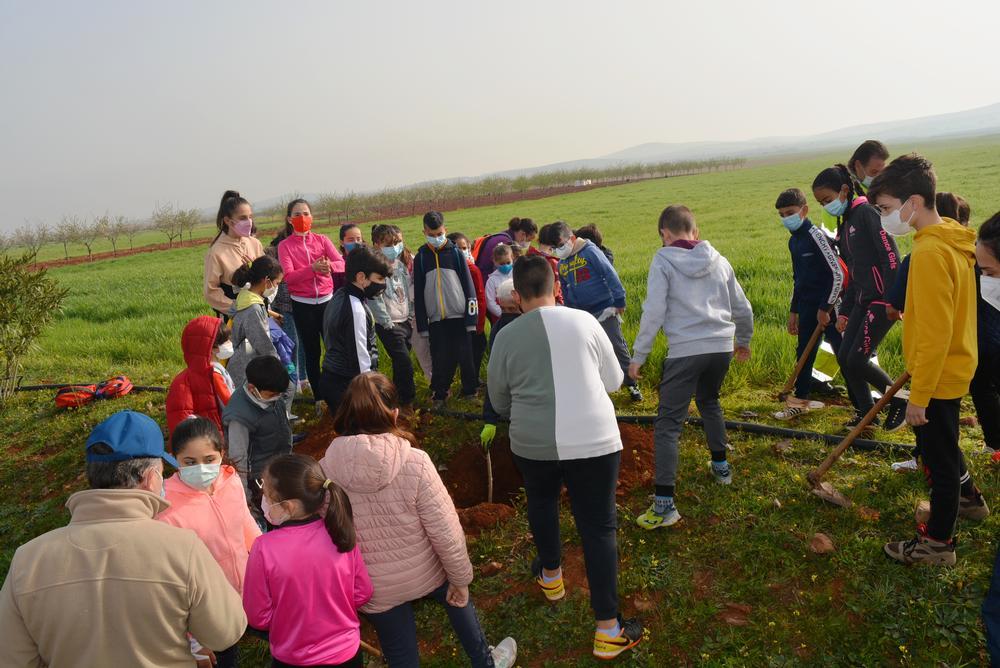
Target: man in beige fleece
{"points": [[115, 587]]}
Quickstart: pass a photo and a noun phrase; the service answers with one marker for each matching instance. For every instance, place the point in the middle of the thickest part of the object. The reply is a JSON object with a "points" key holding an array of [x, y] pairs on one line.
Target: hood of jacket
{"points": [[694, 263], [365, 463], [198, 339], [247, 298], [953, 234], [104, 505]]}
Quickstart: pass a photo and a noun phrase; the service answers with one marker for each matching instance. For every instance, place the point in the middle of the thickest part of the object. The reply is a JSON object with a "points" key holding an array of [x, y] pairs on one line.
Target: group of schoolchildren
{"points": [[848, 279]]}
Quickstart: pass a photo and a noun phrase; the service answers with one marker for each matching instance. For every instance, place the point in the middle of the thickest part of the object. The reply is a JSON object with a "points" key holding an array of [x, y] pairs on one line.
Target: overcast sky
{"points": [[113, 106]]}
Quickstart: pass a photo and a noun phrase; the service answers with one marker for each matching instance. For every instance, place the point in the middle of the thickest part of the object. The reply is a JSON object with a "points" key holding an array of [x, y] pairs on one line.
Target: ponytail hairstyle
{"points": [[391, 234], [300, 478], [368, 407], [947, 205], [835, 178], [964, 210], [193, 428], [264, 267], [870, 148], [231, 200]]}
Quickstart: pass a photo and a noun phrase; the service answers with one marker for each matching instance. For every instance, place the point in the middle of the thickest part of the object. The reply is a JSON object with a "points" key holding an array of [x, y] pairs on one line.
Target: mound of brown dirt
{"points": [[637, 458], [318, 440], [483, 516], [466, 474]]}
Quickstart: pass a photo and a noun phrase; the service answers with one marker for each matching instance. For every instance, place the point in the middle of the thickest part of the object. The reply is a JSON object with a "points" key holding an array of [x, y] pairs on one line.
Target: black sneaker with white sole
{"points": [[895, 415], [634, 393]]}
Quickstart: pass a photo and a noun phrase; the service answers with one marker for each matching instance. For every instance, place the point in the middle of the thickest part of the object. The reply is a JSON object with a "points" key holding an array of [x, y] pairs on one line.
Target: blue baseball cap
{"points": [[129, 435]]}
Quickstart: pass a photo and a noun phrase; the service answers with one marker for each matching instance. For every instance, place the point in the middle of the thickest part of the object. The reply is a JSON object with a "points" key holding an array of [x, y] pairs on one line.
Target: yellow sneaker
{"points": [[608, 647], [553, 590]]}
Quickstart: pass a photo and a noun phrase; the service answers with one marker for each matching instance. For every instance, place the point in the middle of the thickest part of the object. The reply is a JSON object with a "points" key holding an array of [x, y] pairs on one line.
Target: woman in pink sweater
{"points": [[407, 526], [207, 497], [306, 579], [232, 248], [311, 264]]}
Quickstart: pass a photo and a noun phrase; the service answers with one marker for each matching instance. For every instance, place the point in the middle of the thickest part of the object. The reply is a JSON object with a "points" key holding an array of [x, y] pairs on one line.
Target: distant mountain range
{"points": [[970, 123]]}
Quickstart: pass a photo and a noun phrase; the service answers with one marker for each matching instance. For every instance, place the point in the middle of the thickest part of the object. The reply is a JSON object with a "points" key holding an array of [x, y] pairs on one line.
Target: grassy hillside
{"points": [[734, 584]]}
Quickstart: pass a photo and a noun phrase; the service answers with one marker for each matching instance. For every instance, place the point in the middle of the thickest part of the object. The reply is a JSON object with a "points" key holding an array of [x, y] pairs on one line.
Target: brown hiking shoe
{"points": [[922, 550], [974, 509]]}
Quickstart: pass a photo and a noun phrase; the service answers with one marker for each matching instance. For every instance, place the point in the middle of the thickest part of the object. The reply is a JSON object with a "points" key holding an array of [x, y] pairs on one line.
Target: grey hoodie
{"points": [[695, 297]]}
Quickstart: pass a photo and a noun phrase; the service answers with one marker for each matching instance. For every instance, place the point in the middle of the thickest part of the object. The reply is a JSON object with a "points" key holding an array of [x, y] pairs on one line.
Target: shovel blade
{"points": [[829, 493]]}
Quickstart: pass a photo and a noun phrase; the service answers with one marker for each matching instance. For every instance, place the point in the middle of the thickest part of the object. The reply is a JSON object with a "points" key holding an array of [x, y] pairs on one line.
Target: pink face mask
{"points": [[269, 509], [243, 228]]}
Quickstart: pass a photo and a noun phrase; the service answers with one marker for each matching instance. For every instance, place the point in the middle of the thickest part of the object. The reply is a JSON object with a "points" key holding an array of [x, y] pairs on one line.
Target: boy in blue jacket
{"points": [[590, 283], [446, 308], [819, 278]]}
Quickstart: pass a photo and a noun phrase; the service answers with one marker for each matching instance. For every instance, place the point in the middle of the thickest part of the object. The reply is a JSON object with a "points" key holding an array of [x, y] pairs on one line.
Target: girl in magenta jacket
{"points": [[207, 497], [306, 579], [313, 268]]}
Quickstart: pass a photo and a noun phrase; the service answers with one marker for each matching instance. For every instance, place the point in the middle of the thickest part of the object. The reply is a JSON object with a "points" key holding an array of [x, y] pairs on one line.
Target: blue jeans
{"points": [[397, 632]]}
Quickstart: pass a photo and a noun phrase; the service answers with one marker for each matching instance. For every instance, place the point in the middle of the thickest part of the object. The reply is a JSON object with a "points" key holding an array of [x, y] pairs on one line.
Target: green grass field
{"points": [[736, 545]]}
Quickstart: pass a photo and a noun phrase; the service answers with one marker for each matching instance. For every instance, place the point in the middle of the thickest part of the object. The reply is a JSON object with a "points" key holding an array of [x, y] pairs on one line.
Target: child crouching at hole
{"points": [[407, 526], [306, 579], [207, 497]]}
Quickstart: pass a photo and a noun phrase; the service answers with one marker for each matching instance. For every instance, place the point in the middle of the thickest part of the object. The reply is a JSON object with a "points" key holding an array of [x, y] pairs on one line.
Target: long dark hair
{"points": [[369, 407], [298, 477], [391, 234], [193, 428], [989, 235], [288, 230], [231, 200], [263, 267]]}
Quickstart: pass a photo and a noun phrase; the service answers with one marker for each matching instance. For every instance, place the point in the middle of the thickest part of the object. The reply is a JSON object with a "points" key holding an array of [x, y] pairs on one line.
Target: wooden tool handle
{"points": [[813, 340], [817, 474]]}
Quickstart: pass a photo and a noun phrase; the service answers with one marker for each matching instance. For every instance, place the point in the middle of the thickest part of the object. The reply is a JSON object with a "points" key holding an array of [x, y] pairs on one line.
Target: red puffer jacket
{"points": [[194, 391]]}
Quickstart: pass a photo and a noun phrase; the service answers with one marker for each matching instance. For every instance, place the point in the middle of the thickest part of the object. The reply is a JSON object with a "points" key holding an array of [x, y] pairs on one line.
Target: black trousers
{"points": [[309, 324], [332, 389], [591, 485], [866, 327], [478, 351], [985, 397], [944, 465], [451, 347], [396, 341]]}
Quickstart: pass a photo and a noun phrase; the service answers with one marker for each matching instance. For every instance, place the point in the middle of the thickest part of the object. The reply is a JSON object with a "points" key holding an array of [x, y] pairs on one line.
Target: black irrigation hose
{"points": [[746, 427]]}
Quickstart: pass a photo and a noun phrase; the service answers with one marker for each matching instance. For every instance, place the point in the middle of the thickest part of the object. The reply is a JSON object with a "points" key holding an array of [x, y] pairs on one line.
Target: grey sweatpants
{"points": [[613, 328], [698, 376]]}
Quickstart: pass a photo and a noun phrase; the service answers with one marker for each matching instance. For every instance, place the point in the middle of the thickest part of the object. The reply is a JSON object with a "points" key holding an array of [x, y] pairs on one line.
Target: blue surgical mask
{"points": [[505, 268], [836, 207], [199, 476], [792, 222], [350, 245], [392, 252], [437, 242]]}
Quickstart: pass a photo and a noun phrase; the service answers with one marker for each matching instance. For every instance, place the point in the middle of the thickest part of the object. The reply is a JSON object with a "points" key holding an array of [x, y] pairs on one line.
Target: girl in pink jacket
{"points": [[407, 526], [314, 269], [207, 497], [306, 579]]}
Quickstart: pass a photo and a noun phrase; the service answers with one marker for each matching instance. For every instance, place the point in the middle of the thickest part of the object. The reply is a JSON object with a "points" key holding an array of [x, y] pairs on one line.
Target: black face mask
{"points": [[373, 290]]}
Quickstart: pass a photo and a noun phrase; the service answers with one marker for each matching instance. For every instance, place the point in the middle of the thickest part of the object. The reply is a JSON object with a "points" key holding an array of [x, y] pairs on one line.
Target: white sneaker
{"points": [[505, 654], [905, 466]]}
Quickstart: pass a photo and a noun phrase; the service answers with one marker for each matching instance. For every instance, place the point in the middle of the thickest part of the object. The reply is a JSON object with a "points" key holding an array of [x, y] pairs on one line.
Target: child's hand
{"points": [[892, 312], [321, 266], [793, 323], [841, 323], [742, 353], [633, 370], [457, 597], [823, 317], [916, 416], [620, 311], [210, 661]]}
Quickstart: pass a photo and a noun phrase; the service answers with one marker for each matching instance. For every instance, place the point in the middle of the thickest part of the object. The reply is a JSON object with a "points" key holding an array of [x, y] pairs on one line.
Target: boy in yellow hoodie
{"points": [[939, 346]]}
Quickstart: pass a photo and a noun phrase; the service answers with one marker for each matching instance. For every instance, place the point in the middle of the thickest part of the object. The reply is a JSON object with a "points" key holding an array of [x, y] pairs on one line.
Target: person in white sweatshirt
{"points": [[693, 295]]}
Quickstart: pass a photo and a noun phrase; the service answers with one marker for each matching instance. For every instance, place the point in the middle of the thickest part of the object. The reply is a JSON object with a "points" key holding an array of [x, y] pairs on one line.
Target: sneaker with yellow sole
{"points": [[553, 590], [609, 647]]}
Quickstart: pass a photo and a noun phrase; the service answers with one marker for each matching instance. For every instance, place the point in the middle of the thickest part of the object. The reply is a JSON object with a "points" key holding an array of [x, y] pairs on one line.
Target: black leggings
{"points": [[309, 323], [986, 399], [867, 325]]}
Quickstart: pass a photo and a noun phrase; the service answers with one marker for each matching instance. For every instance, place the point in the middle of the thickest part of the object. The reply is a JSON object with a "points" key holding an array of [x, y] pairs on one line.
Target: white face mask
{"points": [[271, 293], [867, 181], [895, 225], [989, 288], [252, 391], [225, 351], [562, 251], [199, 476]]}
